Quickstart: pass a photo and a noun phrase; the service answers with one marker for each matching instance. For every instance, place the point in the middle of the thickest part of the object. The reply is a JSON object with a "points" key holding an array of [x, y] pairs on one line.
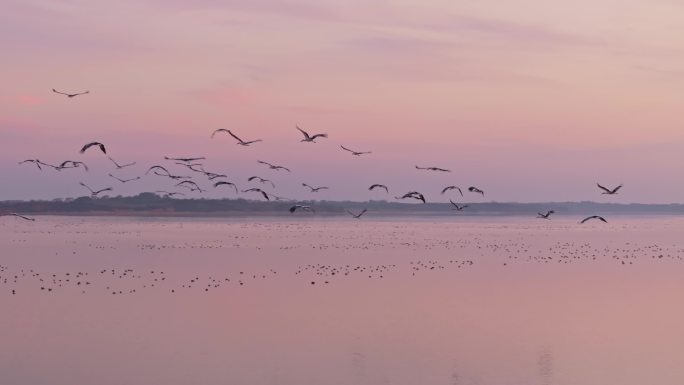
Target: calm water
{"points": [[315, 302]]}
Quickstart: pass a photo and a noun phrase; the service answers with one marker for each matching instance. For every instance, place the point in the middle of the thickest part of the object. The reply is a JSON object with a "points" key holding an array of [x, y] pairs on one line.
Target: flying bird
{"points": [[224, 183], [120, 166], [70, 95], [357, 216], [609, 191], [357, 153], [95, 193], [545, 216], [98, 144], [456, 206], [447, 188], [125, 180], [240, 141], [186, 160], [190, 185], [157, 167], [192, 166], [372, 187], [174, 177], [261, 180], [301, 207], [274, 167], [169, 194], [71, 164], [309, 138], [594, 217], [38, 163], [413, 194], [262, 192], [315, 189], [433, 169], [475, 190], [17, 216]]}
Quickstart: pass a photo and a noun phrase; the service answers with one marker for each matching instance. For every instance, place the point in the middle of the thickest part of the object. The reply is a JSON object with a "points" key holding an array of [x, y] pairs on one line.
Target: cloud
{"points": [[298, 9]]}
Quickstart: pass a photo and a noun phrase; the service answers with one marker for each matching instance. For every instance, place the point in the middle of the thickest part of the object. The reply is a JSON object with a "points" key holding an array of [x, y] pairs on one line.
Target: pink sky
{"points": [[530, 100]]}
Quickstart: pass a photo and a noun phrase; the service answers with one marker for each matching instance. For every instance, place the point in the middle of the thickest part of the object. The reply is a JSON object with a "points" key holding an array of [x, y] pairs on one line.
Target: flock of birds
{"points": [[311, 245], [220, 180]]}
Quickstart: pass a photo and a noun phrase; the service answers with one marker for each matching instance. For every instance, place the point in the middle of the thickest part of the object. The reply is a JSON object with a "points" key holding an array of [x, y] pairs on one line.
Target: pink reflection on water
{"points": [[495, 301]]}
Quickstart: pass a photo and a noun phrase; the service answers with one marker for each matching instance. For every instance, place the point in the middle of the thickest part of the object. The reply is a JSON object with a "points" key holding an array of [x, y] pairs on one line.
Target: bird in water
{"points": [[302, 207], [456, 206], [594, 217], [18, 216], [357, 216], [545, 216]]}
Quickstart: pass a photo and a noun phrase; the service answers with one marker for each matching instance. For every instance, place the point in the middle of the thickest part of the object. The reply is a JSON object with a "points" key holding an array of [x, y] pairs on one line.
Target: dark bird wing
{"points": [[87, 146], [603, 188], [219, 130], [18, 216], [120, 180], [594, 217], [319, 136], [346, 149], [158, 167], [235, 136], [86, 186], [616, 189], [306, 134]]}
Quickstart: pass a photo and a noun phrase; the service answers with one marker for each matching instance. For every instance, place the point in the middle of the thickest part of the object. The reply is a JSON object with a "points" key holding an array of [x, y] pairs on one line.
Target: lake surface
{"points": [[341, 301]]}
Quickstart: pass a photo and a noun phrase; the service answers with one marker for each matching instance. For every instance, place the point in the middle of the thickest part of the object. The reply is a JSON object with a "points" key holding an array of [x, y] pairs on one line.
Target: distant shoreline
{"points": [[151, 205]]}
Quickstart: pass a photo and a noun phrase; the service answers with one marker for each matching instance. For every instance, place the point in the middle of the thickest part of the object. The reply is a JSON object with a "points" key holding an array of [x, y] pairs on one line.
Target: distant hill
{"points": [[150, 204]]}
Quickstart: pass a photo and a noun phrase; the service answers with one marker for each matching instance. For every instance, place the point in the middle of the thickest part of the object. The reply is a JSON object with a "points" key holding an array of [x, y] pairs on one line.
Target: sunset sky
{"points": [[530, 100]]}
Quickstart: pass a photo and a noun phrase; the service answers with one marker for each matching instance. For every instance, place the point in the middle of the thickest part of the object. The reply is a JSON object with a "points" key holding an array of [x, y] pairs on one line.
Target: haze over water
{"points": [[407, 301]]}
